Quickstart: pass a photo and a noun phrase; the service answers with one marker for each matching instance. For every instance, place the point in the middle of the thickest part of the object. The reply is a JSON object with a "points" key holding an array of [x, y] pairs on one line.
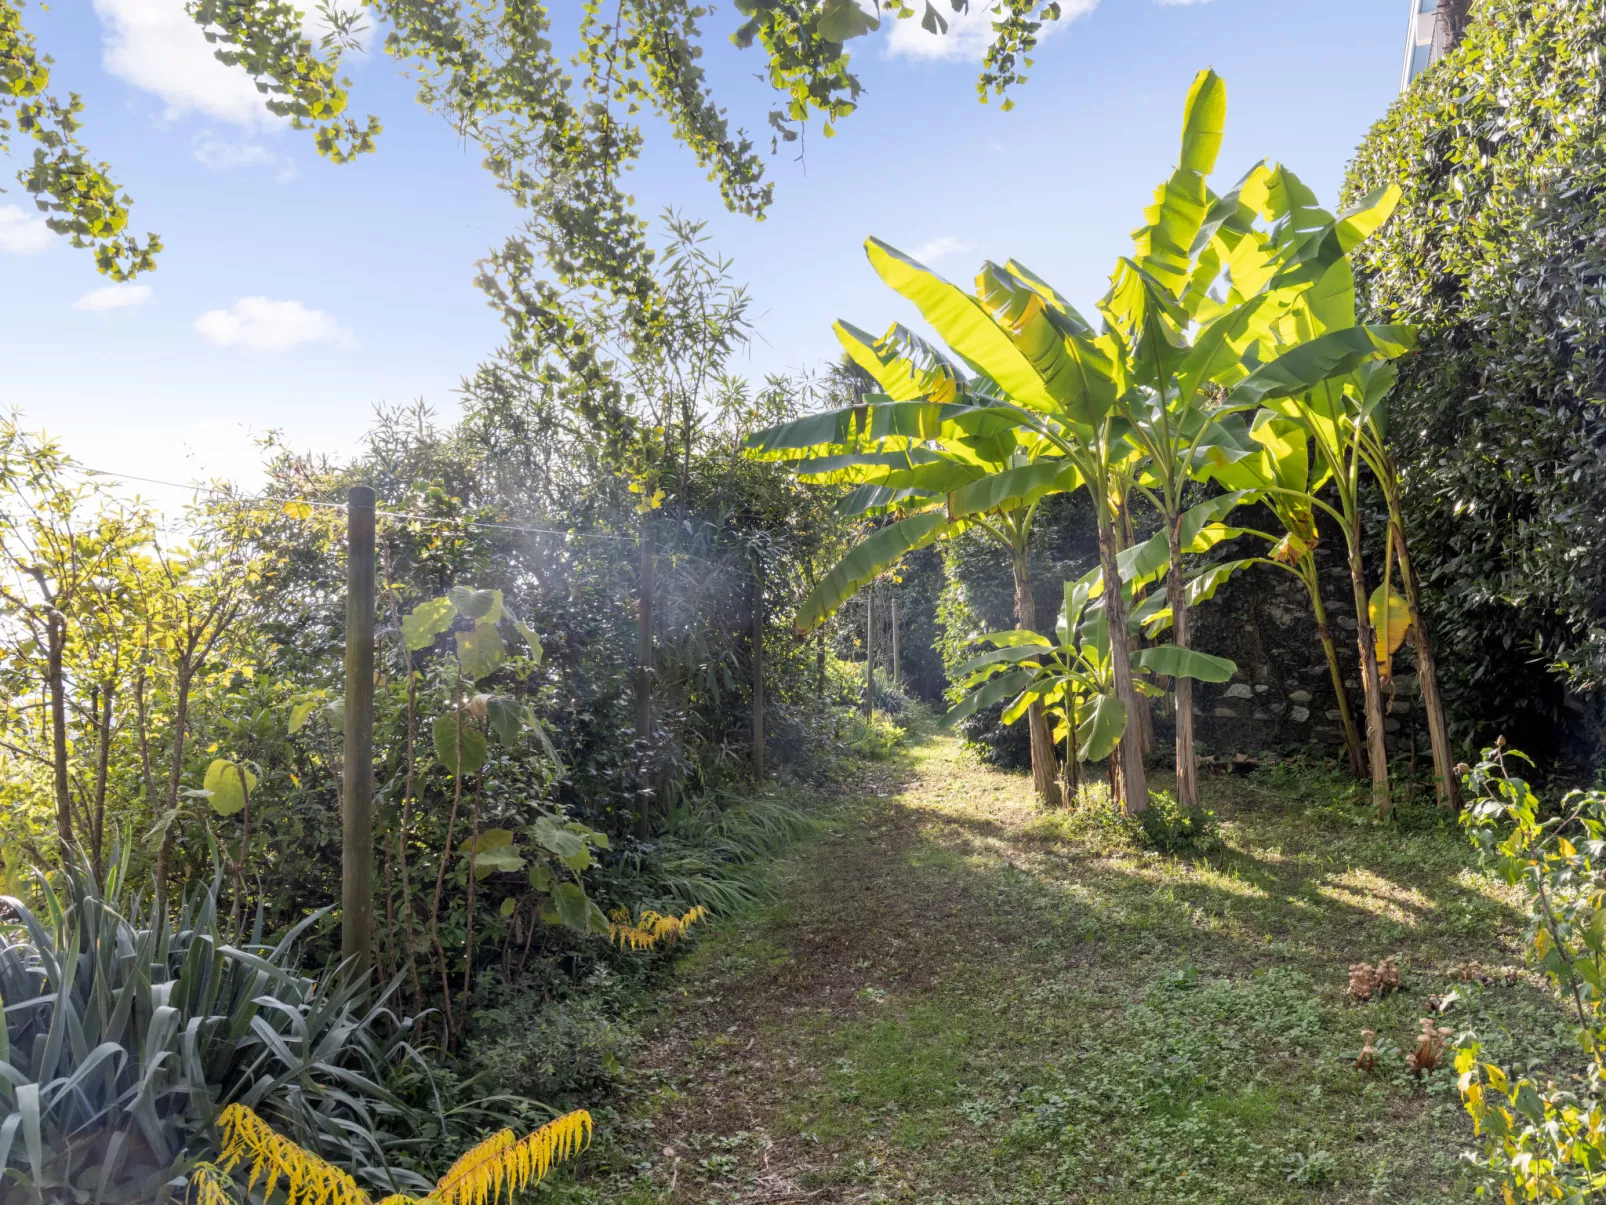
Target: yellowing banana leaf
{"points": [[856, 468], [865, 562], [902, 363], [962, 322], [1070, 319], [1390, 616]]}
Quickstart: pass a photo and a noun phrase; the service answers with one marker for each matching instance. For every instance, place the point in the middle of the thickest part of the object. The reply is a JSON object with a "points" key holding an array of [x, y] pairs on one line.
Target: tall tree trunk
{"points": [[1353, 748], [1134, 780], [1126, 537], [175, 775], [1376, 747], [97, 836], [1045, 765], [55, 645], [1445, 784], [1182, 688], [644, 676]]}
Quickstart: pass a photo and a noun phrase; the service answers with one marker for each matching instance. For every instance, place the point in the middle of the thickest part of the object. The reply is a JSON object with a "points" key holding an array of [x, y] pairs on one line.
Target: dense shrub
{"points": [[1497, 253]]}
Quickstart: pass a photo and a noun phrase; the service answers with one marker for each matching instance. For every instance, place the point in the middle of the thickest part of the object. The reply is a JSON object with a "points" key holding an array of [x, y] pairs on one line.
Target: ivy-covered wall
{"points": [[1498, 254]]}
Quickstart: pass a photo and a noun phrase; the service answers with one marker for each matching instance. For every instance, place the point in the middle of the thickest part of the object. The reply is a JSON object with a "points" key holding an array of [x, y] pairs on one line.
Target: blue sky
{"points": [[295, 295]]}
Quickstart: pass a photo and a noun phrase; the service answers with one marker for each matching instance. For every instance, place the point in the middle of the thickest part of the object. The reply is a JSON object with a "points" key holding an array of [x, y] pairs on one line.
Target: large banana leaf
{"points": [[994, 690], [1324, 358], [963, 323], [1177, 662], [1101, 731], [1164, 245], [865, 562], [1014, 488], [901, 362], [984, 665]]}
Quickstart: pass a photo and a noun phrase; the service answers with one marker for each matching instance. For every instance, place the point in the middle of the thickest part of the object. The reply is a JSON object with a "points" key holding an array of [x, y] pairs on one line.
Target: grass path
{"points": [[956, 998]]}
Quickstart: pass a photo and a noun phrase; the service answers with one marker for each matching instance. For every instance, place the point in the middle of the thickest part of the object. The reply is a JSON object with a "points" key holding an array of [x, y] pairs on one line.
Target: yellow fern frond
{"points": [[652, 928], [208, 1186], [499, 1162], [308, 1179]]}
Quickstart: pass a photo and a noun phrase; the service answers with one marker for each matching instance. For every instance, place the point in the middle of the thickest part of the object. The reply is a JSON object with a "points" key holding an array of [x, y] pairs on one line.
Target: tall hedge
{"points": [[1498, 254]]}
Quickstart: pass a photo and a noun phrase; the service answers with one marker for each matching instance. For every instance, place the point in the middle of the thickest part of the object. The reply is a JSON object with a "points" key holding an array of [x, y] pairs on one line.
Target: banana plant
{"points": [[936, 455], [1371, 439], [1073, 677], [1147, 393], [1283, 476]]}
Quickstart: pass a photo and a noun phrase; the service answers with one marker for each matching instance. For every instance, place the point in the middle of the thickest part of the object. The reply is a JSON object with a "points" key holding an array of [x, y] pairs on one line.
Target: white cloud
{"points": [[222, 156], [154, 45], [22, 233], [938, 248], [969, 33], [114, 297], [262, 324]]}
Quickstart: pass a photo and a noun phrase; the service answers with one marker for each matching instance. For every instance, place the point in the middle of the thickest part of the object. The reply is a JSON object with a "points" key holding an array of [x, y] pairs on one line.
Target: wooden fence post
{"points": [[644, 668], [357, 823], [869, 652], [758, 670], [897, 667]]}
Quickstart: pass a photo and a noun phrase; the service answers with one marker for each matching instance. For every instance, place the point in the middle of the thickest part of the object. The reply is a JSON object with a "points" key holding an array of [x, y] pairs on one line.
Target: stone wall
{"points": [[1282, 695]]}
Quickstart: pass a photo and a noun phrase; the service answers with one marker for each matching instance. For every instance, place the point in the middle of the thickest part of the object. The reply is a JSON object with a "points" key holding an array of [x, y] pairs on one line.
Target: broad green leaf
{"points": [[446, 737], [530, 638], [1005, 686], [480, 650], [229, 785], [905, 365], [488, 839], [963, 323], [1101, 731], [1014, 488], [843, 20], [1176, 662], [1015, 637], [558, 839], [482, 606], [425, 622], [504, 859], [301, 712], [865, 562], [571, 907], [507, 717], [541, 877], [994, 660], [1323, 358]]}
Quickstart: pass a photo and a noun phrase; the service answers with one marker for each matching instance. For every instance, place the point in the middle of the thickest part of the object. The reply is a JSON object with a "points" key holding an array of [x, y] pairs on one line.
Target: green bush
{"points": [[1542, 1139], [1169, 827], [1494, 254], [560, 1052]]}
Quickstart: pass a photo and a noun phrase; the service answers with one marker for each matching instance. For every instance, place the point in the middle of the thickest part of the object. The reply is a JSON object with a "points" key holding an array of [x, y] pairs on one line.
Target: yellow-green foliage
{"points": [[652, 929], [502, 1163]]}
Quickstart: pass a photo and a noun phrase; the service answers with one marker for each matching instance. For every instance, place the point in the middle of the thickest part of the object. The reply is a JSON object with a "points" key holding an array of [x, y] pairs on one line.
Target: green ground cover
{"points": [[957, 998]]}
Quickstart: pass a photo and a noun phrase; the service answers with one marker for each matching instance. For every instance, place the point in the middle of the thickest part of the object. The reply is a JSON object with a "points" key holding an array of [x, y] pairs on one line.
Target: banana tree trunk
{"points": [[1045, 765], [1376, 749], [1176, 594], [1125, 538], [1445, 785], [1134, 782], [1353, 748]]}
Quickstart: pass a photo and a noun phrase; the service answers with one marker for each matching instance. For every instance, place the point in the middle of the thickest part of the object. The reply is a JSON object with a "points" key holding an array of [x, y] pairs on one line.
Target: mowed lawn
{"points": [[956, 997]]}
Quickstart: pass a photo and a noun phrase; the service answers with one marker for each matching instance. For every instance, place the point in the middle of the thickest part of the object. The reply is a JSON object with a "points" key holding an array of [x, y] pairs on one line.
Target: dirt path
{"points": [[958, 999]]}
